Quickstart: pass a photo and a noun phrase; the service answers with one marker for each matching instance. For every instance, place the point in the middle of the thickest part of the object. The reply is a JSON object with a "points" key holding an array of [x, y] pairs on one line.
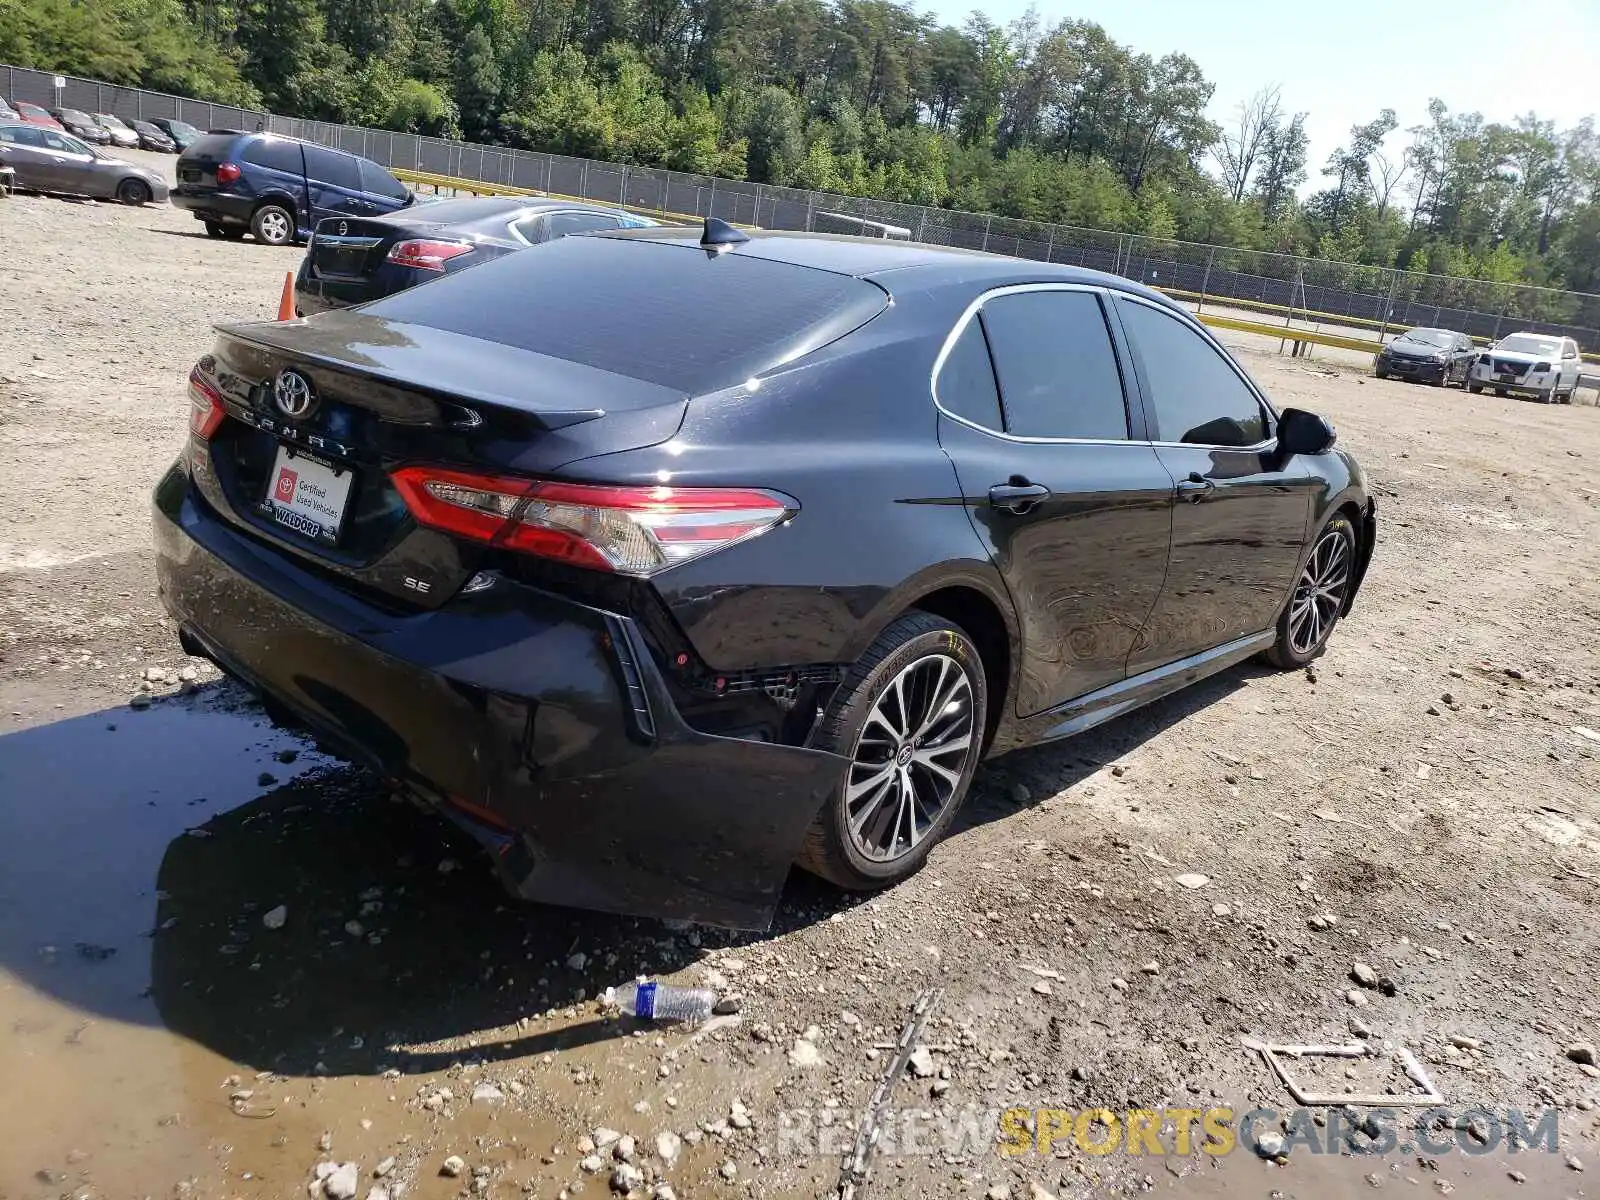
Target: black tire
{"points": [[215, 229], [915, 643], [273, 225], [1474, 386], [234, 233], [1290, 653], [1501, 392], [134, 192], [1381, 374]]}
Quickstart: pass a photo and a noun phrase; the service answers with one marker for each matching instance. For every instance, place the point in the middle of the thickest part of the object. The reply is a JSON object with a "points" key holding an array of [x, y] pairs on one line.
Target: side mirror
{"points": [[1302, 432]]}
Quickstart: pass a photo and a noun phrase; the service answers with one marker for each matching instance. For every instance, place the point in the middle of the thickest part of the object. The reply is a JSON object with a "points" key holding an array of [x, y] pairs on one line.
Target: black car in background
{"points": [[1437, 356], [153, 138], [182, 133], [278, 188], [353, 261], [81, 125], [663, 559]]}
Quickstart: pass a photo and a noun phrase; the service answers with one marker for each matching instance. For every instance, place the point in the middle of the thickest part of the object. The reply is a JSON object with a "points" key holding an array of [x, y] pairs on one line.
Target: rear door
{"points": [[22, 148], [333, 183], [1240, 525], [1039, 416]]}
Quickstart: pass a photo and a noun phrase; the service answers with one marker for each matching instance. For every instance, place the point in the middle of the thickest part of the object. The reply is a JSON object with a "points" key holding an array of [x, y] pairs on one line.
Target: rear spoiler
{"points": [[454, 367]]}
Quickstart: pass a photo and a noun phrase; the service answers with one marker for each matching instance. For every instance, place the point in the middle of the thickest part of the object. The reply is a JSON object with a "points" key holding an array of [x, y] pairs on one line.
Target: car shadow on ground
{"points": [[143, 856]]}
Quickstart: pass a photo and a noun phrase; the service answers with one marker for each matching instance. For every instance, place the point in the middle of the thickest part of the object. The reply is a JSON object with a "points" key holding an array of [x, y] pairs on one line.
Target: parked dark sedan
{"points": [[661, 560], [82, 126], [1437, 356], [182, 133], [352, 261], [152, 138]]}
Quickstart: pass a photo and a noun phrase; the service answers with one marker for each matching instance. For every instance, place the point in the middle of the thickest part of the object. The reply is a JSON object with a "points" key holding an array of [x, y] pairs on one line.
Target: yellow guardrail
{"points": [[1306, 314], [1285, 333]]}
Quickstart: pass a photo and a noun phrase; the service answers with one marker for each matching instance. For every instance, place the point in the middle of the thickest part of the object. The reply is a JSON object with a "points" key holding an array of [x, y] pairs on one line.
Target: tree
{"points": [[478, 85], [1283, 166], [776, 144], [1247, 141]]}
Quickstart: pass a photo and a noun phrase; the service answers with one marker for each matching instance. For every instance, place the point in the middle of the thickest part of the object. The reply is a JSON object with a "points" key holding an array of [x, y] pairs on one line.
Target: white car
{"points": [[1538, 364]]}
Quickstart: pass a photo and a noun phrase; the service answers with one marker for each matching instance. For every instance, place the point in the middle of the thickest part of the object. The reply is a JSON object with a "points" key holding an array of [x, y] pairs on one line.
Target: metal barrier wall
{"points": [[1304, 289]]}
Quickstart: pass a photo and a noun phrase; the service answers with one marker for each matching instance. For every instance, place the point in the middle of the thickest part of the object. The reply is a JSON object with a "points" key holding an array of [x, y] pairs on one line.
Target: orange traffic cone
{"points": [[286, 302]]}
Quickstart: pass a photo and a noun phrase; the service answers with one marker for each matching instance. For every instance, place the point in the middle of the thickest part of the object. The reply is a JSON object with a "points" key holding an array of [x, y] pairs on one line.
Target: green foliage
{"points": [[1037, 121]]}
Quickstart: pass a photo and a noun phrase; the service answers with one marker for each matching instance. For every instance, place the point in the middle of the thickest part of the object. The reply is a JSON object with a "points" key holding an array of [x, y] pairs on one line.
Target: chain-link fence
{"points": [[1280, 286]]}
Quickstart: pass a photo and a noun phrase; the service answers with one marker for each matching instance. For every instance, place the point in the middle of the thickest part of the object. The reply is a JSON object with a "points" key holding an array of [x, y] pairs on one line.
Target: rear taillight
{"points": [[633, 530], [228, 172], [427, 254], [206, 410]]}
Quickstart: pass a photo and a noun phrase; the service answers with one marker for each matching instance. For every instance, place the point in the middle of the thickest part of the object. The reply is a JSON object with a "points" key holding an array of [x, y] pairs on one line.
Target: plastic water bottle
{"points": [[662, 1002]]}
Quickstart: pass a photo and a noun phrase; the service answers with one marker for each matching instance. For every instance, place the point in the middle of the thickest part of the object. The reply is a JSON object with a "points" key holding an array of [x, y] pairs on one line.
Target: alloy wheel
{"points": [[1319, 595], [909, 758], [275, 226]]}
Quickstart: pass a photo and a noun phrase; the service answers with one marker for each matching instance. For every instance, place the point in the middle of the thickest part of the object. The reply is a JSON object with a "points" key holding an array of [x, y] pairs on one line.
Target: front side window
{"points": [[966, 386], [1056, 366], [1199, 397], [375, 181]]}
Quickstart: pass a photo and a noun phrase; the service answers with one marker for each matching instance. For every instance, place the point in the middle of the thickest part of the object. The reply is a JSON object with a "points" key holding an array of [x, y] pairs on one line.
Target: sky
{"points": [[1341, 63]]}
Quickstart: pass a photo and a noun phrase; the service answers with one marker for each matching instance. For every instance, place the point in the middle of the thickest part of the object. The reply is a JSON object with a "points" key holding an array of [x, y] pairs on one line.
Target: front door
{"points": [[1073, 505], [1239, 527], [333, 181]]}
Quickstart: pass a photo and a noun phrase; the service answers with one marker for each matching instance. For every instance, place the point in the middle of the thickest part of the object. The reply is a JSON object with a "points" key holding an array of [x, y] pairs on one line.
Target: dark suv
{"points": [[278, 188]]}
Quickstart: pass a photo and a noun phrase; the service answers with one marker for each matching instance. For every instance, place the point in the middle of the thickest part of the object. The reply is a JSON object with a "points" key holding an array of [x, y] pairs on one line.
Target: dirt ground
{"points": [[1425, 802]]}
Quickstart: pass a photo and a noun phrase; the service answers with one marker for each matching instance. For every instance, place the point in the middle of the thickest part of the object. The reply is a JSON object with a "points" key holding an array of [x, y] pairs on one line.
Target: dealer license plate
{"points": [[308, 495]]}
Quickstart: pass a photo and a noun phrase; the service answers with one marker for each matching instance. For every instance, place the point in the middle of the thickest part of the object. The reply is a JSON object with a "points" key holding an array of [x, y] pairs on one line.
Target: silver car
{"points": [[47, 160]]}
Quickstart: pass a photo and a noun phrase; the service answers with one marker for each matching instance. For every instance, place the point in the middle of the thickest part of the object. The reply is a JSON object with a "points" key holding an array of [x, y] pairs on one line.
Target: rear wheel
{"points": [[134, 192], [1473, 385], [1381, 373], [1318, 597], [273, 224], [910, 718]]}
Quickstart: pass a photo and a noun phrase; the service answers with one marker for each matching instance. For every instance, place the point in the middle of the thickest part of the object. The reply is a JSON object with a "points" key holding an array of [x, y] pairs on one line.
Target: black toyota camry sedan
{"points": [[663, 560]]}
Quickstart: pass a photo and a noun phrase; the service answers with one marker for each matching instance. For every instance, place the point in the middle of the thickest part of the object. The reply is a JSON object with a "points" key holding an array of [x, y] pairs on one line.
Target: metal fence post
{"points": [[987, 225], [1388, 305], [622, 196], [757, 221], [1205, 280], [1049, 243], [583, 181], [711, 205]]}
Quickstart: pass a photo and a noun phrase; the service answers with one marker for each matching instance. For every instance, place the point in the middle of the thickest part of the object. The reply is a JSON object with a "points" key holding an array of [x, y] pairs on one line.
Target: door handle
{"points": [[1017, 496], [1195, 488]]}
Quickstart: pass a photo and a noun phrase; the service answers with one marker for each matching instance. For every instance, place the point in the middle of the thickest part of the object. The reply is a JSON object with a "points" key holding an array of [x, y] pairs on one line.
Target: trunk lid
{"points": [[363, 396], [347, 248]]}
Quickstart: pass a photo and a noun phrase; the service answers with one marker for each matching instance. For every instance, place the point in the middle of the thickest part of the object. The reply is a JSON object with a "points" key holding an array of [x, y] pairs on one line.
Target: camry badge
{"points": [[293, 394]]}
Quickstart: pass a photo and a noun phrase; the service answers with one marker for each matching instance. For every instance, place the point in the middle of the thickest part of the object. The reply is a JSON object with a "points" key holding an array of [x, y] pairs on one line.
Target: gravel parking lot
{"points": [[1114, 914]]}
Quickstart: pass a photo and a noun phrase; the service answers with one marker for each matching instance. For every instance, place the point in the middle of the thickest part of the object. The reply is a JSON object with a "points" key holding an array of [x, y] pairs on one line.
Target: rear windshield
{"points": [[1429, 337], [211, 145], [475, 208], [667, 314]]}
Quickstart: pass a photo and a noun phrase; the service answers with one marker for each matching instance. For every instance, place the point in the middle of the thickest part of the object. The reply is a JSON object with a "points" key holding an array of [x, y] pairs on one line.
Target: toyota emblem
{"points": [[293, 394], [344, 228]]}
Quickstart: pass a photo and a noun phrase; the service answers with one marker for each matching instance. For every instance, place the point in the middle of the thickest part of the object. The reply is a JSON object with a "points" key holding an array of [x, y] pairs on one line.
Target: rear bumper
{"points": [[313, 294], [208, 204], [540, 725]]}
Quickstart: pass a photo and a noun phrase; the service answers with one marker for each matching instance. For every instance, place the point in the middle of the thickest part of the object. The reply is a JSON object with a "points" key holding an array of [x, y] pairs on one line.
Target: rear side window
{"points": [[1199, 397], [966, 384], [560, 224], [1056, 366], [22, 135], [275, 154], [331, 167], [666, 314], [375, 181]]}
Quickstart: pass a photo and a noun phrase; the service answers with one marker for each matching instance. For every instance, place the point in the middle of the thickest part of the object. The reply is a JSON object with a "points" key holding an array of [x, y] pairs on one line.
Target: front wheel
{"points": [[910, 719], [1318, 598], [1473, 385], [273, 224]]}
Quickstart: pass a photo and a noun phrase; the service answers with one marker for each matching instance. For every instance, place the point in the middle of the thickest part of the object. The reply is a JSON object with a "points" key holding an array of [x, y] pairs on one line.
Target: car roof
{"points": [[895, 265]]}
